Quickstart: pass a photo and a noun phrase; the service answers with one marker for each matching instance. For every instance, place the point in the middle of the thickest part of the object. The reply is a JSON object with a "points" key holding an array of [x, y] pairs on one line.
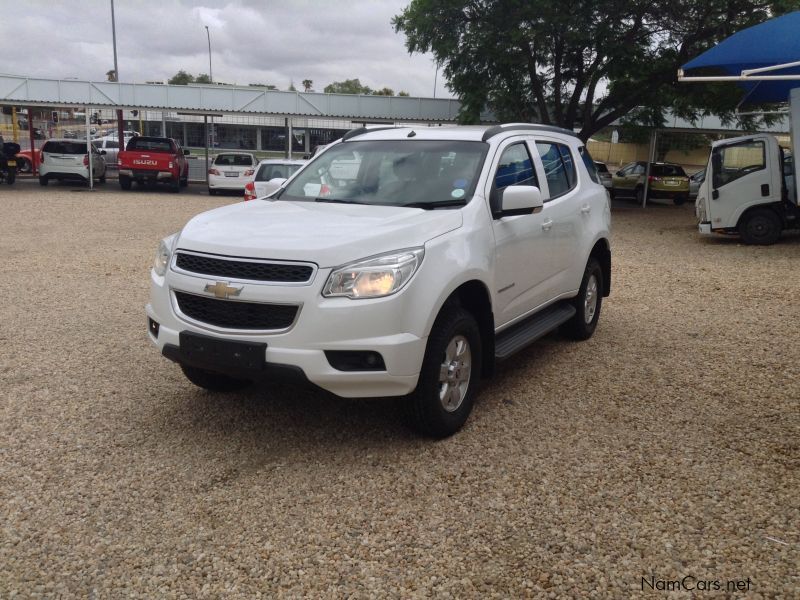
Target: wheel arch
{"points": [[601, 251], [473, 296], [772, 206]]}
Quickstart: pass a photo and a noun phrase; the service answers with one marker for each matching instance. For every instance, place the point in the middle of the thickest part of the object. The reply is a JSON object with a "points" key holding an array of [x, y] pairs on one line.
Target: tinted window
{"points": [[601, 167], [234, 160], [515, 168], [150, 144], [739, 160], [65, 147], [267, 172], [638, 169], [667, 171], [559, 171]]}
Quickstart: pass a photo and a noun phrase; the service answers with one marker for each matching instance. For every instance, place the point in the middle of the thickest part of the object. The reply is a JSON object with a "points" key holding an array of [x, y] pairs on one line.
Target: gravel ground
{"points": [[666, 446]]}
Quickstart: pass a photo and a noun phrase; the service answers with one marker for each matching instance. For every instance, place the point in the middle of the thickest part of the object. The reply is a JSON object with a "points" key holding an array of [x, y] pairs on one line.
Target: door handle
{"points": [[546, 225], [586, 209]]}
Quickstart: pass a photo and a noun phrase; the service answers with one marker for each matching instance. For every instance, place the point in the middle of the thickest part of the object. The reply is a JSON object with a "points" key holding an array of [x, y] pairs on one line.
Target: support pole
{"points": [[14, 125], [163, 124], [205, 137], [651, 157], [89, 150], [289, 137], [34, 162]]}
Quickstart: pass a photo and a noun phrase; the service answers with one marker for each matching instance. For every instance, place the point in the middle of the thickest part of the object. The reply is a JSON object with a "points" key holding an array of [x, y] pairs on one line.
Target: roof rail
{"points": [[498, 129], [362, 130]]}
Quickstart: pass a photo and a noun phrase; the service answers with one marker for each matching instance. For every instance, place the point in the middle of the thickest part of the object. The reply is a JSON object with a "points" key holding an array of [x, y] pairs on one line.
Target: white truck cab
{"points": [[401, 261], [749, 189]]}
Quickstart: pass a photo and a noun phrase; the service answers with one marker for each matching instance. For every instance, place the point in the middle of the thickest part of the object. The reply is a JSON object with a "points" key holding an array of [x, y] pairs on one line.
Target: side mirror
{"points": [[618, 174], [520, 200], [102, 152], [186, 153]]}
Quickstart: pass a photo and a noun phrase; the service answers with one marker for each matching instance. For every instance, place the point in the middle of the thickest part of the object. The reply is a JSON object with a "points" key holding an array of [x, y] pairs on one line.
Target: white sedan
{"points": [[230, 171], [269, 176]]}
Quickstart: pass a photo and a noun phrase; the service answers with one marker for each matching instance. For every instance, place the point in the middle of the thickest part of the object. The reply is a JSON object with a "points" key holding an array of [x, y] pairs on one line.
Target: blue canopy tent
{"points": [[763, 59]]}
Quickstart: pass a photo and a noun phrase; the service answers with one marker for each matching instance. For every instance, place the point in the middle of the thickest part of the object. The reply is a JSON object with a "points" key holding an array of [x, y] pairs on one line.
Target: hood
{"points": [[323, 233]]}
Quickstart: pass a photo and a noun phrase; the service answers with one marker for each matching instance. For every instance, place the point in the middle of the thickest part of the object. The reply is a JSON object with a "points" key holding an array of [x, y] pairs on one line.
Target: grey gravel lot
{"points": [[666, 446]]}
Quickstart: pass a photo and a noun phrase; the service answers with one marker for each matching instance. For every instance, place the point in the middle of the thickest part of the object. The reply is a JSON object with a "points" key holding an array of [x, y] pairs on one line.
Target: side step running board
{"points": [[519, 336]]}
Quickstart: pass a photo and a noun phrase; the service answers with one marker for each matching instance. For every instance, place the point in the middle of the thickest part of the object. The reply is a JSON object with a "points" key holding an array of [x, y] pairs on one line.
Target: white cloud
{"points": [[252, 41]]}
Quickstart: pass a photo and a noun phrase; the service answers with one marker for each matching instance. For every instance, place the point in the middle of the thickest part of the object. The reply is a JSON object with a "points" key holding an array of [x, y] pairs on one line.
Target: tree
{"points": [[402, 93], [291, 87], [585, 63], [203, 78], [181, 78], [264, 85], [384, 92], [348, 86], [307, 83], [111, 75]]}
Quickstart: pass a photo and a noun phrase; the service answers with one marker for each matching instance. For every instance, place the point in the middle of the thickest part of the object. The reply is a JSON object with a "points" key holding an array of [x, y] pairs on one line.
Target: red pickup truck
{"points": [[152, 160]]}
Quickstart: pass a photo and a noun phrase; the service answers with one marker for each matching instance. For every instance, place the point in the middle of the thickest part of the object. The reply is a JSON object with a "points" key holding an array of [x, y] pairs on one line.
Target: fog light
{"points": [[153, 327], [355, 360]]}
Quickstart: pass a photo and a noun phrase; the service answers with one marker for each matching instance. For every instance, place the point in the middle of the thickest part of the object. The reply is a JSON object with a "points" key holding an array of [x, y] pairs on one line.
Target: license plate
{"points": [[672, 183], [231, 174], [212, 351], [12, 163]]}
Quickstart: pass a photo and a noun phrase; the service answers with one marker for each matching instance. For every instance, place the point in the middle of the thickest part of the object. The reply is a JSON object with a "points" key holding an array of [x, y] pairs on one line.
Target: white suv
{"points": [[400, 261], [68, 159]]}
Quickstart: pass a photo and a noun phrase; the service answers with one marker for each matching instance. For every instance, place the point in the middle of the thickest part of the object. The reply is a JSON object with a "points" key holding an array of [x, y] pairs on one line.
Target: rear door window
{"points": [[267, 172], [558, 167]]}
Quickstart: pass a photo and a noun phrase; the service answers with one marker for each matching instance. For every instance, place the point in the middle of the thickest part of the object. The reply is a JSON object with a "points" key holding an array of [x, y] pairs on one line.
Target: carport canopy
{"points": [[763, 59]]}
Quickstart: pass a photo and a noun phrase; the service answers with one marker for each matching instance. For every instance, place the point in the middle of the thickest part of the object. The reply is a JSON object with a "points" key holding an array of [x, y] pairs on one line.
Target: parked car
{"points": [[111, 146], [604, 174], [442, 252], [149, 160], [67, 159], [269, 176], [231, 171], [24, 160], [695, 181], [8, 161], [667, 180]]}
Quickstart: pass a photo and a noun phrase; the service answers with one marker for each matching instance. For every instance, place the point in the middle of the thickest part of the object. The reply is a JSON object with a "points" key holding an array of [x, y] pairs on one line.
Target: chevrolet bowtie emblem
{"points": [[222, 290]]}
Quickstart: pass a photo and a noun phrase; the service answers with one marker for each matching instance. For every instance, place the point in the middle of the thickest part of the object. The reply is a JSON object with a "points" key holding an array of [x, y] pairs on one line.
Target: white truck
{"points": [[750, 186], [398, 262]]}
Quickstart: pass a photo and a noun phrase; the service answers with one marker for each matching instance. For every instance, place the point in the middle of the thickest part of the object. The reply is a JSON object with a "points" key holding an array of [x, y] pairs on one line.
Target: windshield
{"points": [[667, 171], [423, 173], [267, 172]]}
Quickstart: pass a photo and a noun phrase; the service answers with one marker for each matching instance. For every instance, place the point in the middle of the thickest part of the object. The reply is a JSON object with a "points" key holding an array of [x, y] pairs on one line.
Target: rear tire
{"points": [[587, 303], [175, 186], [23, 165], [11, 176], [760, 227], [679, 200], [102, 178], [185, 181], [213, 382], [639, 195], [442, 401], [212, 192], [125, 182], [43, 180]]}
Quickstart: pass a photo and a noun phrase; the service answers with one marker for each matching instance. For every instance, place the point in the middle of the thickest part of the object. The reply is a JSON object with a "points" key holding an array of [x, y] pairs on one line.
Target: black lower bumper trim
{"points": [[270, 371]]}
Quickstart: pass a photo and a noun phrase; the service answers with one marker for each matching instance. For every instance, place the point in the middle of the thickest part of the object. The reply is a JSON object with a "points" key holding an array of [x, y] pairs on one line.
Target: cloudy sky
{"points": [[252, 41]]}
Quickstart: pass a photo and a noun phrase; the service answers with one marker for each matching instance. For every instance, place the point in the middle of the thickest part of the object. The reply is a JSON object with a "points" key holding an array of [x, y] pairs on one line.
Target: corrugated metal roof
{"points": [[225, 99]]}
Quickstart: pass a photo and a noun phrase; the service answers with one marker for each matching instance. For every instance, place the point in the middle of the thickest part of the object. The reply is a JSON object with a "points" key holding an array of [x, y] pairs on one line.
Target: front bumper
{"points": [[322, 324], [704, 228]]}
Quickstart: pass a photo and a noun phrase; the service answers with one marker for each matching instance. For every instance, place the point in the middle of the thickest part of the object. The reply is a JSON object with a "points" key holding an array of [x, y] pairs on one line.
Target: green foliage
{"points": [[348, 86], [291, 87], [203, 78], [181, 78], [384, 92], [580, 64], [402, 93], [307, 83]]}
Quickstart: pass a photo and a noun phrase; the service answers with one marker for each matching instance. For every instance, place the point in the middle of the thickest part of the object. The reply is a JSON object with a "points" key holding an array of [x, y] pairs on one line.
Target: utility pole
{"points": [[120, 126], [211, 79]]}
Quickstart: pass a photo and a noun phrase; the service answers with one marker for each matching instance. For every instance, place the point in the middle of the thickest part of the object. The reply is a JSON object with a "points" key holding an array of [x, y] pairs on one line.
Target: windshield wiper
{"points": [[435, 204], [338, 200]]}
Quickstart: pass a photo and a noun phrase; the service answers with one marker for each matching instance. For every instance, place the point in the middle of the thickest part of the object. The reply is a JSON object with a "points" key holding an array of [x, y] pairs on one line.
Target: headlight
{"points": [[374, 277], [163, 254]]}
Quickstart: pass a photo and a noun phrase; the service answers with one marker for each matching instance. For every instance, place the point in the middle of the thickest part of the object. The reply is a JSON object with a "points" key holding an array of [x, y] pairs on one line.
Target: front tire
{"points": [[760, 227], [213, 382], [587, 303], [442, 401]]}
